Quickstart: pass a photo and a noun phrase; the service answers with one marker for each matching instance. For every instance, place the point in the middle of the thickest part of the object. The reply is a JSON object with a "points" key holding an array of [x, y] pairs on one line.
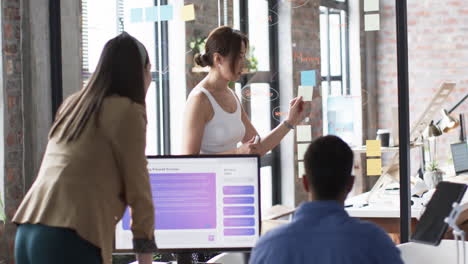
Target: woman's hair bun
{"points": [[202, 60]]}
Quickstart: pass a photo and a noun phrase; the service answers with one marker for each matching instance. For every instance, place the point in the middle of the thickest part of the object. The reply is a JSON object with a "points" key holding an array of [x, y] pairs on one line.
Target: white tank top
{"points": [[225, 130]]}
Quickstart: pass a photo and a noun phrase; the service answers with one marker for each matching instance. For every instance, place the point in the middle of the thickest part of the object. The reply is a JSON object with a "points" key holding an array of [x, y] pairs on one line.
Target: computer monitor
{"points": [[202, 203], [460, 157]]}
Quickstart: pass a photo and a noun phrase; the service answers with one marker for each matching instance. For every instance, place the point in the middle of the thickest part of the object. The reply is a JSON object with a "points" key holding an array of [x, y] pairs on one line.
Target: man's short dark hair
{"points": [[328, 164]]}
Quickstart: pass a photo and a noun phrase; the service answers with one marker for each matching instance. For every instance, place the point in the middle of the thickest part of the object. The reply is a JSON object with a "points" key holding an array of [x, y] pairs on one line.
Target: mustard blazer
{"points": [[86, 185]]}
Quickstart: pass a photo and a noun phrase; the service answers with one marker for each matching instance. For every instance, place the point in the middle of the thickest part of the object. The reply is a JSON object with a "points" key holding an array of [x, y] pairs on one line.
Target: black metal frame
{"points": [[403, 116], [55, 28], [337, 8], [163, 121], [274, 83]]}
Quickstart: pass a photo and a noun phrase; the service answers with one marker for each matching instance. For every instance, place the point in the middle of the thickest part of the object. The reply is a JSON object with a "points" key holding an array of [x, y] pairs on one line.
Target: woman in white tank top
{"points": [[214, 119]]}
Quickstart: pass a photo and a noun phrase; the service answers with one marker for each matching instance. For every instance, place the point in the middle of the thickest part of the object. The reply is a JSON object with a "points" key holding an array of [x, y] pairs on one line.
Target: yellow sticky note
{"points": [[304, 133], [373, 148], [300, 169], [188, 12], [301, 150], [306, 92], [372, 22], [374, 167]]}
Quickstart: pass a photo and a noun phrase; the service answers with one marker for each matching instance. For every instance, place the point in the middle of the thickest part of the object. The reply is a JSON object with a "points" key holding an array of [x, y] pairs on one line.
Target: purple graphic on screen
{"points": [[126, 219], [238, 200], [239, 221], [182, 201], [239, 210], [239, 232], [233, 190]]}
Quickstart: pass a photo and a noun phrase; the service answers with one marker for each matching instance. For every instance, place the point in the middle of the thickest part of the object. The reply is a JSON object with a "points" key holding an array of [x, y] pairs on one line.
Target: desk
{"points": [[414, 253], [386, 213]]}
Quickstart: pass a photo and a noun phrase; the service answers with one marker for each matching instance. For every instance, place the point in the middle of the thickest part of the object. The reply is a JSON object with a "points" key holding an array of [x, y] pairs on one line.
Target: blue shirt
{"points": [[322, 232]]}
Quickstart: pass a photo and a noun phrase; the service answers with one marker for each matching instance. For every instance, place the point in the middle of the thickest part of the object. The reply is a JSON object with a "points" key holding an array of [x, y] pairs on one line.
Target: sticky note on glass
{"points": [[167, 12], [188, 13], [372, 22], [373, 148], [152, 13], [304, 133], [374, 167], [306, 92], [308, 78], [301, 150], [136, 15], [300, 169], [371, 5]]}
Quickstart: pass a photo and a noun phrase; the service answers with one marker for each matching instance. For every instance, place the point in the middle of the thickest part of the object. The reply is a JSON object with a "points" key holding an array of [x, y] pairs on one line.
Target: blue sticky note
{"points": [[308, 78], [151, 14], [167, 12], [136, 15]]}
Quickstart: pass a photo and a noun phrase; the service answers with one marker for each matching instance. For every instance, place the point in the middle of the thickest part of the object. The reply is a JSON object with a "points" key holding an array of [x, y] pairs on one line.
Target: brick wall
{"points": [[438, 51], [13, 120]]}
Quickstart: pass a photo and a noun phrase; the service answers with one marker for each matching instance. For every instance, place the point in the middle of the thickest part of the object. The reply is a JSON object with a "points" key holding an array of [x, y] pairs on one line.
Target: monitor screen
{"points": [[460, 157], [201, 202]]}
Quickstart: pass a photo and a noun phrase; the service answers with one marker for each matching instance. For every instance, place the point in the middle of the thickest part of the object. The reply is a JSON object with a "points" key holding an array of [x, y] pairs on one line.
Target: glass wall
{"points": [[172, 44], [341, 56]]}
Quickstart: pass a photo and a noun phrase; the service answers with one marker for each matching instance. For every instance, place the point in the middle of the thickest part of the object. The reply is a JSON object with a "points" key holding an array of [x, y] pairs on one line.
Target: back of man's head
{"points": [[328, 165]]}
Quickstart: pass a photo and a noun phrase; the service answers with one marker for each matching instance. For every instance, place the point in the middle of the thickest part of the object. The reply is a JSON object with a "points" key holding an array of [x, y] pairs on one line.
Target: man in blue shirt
{"points": [[321, 231]]}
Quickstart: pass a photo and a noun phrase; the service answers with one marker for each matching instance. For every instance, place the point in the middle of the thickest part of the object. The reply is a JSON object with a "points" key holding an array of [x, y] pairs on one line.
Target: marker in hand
{"points": [[257, 139]]}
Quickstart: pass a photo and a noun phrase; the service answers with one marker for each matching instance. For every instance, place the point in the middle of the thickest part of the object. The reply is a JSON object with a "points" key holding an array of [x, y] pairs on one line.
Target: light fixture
{"points": [[448, 122], [432, 131]]}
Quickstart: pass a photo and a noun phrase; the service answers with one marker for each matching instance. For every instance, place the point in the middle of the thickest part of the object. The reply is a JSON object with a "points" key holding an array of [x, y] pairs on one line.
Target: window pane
{"points": [[344, 51], [178, 53], [266, 188], [335, 88], [258, 35], [151, 130], [323, 41], [100, 27], [335, 44], [260, 96]]}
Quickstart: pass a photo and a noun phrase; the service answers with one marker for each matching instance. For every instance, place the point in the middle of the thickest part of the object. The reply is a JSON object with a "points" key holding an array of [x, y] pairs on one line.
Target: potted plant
{"points": [[197, 46], [433, 175], [251, 62]]}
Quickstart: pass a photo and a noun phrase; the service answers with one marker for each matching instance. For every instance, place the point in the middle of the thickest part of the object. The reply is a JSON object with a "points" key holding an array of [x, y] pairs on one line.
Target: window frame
{"points": [[337, 7]]}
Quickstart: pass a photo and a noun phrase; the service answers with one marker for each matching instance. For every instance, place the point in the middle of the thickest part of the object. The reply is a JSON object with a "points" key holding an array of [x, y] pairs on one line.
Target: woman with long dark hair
{"points": [[93, 168]]}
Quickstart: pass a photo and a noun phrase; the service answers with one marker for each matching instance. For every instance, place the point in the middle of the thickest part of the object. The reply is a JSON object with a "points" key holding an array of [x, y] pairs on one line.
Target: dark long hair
{"points": [[120, 71], [225, 41]]}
